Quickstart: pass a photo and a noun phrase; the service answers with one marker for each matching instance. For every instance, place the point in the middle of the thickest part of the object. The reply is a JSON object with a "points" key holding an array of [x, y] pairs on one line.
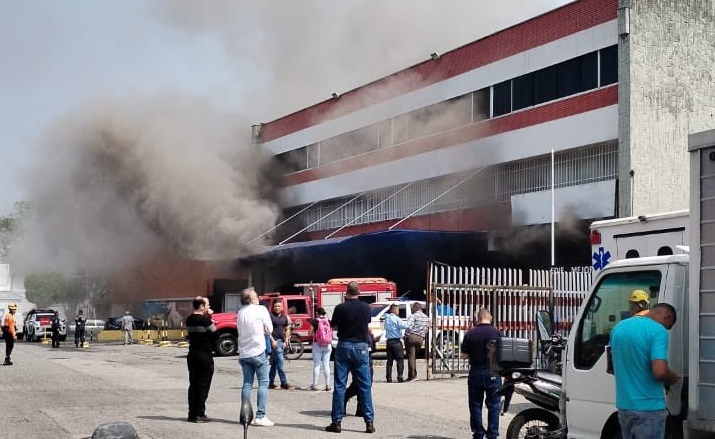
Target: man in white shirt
{"points": [[254, 326]]}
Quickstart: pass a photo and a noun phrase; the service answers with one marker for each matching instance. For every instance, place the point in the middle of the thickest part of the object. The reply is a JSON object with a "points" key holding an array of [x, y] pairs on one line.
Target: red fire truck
{"points": [[301, 307]]}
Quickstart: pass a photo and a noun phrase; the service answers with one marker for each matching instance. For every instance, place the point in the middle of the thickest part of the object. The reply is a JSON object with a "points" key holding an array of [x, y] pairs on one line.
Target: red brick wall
{"points": [[551, 26]]}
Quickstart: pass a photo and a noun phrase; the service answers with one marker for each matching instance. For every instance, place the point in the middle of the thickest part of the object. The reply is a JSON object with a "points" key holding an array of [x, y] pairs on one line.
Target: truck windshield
{"points": [[607, 306]]}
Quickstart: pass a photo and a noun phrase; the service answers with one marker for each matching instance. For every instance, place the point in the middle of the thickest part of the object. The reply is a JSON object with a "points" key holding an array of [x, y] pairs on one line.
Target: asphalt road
{"points": [[68, 392]]}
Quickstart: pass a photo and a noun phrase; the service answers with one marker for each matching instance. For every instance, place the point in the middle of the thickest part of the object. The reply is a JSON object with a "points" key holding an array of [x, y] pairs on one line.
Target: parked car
{"points": [[19, 330], [92, 326], [38, 323], [116, 323]]}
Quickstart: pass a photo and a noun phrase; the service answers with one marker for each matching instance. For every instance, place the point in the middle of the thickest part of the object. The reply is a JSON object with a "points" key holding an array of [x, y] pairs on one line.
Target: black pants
{"points": [[9, 344], [55, 338], [395, 352], [201, 370], [352, 390], [79, 337]]}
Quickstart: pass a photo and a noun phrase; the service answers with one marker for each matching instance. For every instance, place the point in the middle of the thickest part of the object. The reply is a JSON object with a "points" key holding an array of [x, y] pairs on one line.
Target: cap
{"points": [[638, 296], [12, 306]]}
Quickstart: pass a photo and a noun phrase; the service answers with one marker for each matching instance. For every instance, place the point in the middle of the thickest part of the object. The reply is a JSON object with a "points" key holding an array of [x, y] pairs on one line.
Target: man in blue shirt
{"points": [[393, 333], [639, 346]]}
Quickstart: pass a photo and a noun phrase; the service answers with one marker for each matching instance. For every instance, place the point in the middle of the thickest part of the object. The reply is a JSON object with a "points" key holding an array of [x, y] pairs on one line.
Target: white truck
{"points": [[685, 281], [658, 234]]}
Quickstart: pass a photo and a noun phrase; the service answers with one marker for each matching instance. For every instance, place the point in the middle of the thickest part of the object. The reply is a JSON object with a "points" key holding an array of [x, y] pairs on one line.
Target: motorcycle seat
{"points": [[548, 376]]}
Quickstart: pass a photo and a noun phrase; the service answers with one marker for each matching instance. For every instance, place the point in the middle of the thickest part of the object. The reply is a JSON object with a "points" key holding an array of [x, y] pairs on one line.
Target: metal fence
{"points": [[513, 296]]}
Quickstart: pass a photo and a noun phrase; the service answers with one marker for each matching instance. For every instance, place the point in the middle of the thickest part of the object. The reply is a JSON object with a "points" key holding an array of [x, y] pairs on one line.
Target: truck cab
{"points": [[588, 403], [300, 310]]}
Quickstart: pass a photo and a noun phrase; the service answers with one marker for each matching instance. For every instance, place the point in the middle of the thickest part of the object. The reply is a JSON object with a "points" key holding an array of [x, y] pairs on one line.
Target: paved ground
{"points": [[66, 393]]}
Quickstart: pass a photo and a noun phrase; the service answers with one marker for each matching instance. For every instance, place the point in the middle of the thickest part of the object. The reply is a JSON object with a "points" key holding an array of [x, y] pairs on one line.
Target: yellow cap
{"points": [[12, 306], [638, 296]]}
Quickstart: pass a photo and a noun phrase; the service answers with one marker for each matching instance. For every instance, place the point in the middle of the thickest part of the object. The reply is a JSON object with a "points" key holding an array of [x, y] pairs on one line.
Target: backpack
{"points": [[324, 333]]}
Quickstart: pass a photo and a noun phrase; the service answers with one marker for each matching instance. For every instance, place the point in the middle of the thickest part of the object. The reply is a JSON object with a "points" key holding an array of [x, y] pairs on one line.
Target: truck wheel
{"points": [[531, 422], [226, 345]]}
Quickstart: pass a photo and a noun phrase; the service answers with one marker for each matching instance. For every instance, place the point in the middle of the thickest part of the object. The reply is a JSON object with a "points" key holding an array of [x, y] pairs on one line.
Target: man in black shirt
{"points": [[79, 326], [200, 360], [482, 385], [352, 355]]}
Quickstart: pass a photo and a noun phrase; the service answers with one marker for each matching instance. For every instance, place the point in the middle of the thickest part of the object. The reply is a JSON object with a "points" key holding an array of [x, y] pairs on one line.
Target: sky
{"points": [[129, 121]]}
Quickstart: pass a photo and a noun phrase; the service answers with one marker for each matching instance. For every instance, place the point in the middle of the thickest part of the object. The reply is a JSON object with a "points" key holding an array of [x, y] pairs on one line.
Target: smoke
{"points": [[123, 179]]}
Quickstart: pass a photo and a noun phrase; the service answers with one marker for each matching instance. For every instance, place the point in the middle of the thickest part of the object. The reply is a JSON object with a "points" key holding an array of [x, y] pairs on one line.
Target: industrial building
{"points": [[604, 92]]}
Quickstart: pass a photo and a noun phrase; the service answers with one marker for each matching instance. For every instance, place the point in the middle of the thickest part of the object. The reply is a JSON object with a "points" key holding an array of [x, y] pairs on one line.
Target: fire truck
{"points": [[301, 307]]}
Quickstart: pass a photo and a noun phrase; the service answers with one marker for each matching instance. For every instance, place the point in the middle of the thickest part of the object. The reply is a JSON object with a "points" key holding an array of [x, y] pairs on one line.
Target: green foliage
{"points": [[46, 289], [10, 228]]}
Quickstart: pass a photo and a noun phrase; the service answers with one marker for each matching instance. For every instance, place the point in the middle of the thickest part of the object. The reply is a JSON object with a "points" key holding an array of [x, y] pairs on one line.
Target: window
{"points": [[297, 306], [502, 98], [441, 116], [523, 92], [399, 129], [609, 65], [607, 307], [577, 75], [481, 105], [384, 129], [545, 85], [665, 251], [294, 161]]}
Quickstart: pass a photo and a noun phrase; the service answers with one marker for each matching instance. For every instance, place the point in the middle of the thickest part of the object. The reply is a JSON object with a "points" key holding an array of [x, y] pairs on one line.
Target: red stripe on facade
{"points": [[551, 26], [545, 113]]}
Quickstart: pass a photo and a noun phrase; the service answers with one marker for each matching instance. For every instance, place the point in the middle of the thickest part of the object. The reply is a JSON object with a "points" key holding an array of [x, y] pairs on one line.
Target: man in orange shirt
{"points": [[8, 332]]}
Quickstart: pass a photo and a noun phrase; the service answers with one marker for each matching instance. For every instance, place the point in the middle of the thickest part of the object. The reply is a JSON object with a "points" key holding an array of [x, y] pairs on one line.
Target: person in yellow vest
{"points": [[638, 303], [8, 332]]}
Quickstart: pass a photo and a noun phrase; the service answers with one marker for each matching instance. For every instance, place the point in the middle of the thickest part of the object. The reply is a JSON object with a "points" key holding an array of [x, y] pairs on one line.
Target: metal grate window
{"points": [[497, 184]]}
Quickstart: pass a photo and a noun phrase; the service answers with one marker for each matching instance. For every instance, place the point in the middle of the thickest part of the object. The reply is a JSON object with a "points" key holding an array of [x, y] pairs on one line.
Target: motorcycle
{"points": [[541, 387]]}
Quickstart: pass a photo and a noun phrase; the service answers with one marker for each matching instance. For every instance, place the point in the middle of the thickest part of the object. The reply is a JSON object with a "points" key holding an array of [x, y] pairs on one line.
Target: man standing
{"points": [[415, 334], [393, 332], [8, 332], [640, 363], [80, 323], [281, 333], [351, 318], [128, 327], [482, 385], [201, 330], [254, 323], [55, 328]]}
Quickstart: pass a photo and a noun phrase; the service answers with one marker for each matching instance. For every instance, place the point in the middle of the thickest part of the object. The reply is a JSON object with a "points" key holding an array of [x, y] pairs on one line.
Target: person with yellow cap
{"points": [[638, 303], [8, 332]]}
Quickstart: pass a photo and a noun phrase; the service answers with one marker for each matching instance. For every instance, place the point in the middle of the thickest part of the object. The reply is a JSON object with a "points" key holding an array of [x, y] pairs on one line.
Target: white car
{"points": [[91, 327], [379, 310]]}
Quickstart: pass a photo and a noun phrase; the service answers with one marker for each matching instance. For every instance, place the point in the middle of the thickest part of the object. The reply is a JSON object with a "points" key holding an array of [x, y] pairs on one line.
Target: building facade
{"points": [[604, 92]]}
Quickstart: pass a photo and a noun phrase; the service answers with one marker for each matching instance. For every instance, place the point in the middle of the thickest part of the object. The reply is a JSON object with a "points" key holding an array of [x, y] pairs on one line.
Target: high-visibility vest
{"points": [[9, 322]]}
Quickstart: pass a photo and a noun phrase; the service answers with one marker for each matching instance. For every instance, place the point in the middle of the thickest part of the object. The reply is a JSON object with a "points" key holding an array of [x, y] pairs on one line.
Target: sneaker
{"points": [[400, 380], [312, 387], [204, 418], [272, 386], [263, 422], [327, 388], [287, 387], [196, 420], [7, 363], [334, 427], [369, 427]]}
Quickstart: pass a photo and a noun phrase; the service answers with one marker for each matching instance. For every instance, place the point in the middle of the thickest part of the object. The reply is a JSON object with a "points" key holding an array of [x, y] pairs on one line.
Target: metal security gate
{"points": [[513, 296]]}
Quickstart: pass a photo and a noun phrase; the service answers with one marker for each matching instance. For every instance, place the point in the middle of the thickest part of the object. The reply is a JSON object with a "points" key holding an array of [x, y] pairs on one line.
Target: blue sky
{"points": [[259, 59]]}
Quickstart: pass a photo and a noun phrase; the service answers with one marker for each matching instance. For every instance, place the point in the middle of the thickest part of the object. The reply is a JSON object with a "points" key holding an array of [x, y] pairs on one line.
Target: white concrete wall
{"points": [[667, 91]]}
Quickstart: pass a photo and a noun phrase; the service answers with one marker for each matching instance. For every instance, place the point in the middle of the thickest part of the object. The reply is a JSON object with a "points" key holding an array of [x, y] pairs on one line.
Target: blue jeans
{"points": [[277, 364], [352, 357], [258, 366], [642, 424], [321, 356], [482, 387]]}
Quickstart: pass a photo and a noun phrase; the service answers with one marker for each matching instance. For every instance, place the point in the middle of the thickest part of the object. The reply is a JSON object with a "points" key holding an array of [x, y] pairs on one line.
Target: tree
{"points": [[46, 289], [10, 228]]}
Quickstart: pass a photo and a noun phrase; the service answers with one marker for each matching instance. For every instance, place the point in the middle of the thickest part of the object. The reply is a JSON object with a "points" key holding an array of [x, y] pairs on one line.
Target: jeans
{"points": [[258, 366], [482, 387], [201, 371], [321, 355], [352, 357], [642, 424], [277, 361]]}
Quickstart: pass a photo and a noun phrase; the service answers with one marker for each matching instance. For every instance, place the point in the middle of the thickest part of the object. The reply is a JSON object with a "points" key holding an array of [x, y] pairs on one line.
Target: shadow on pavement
{"points": [[171, 418]]}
